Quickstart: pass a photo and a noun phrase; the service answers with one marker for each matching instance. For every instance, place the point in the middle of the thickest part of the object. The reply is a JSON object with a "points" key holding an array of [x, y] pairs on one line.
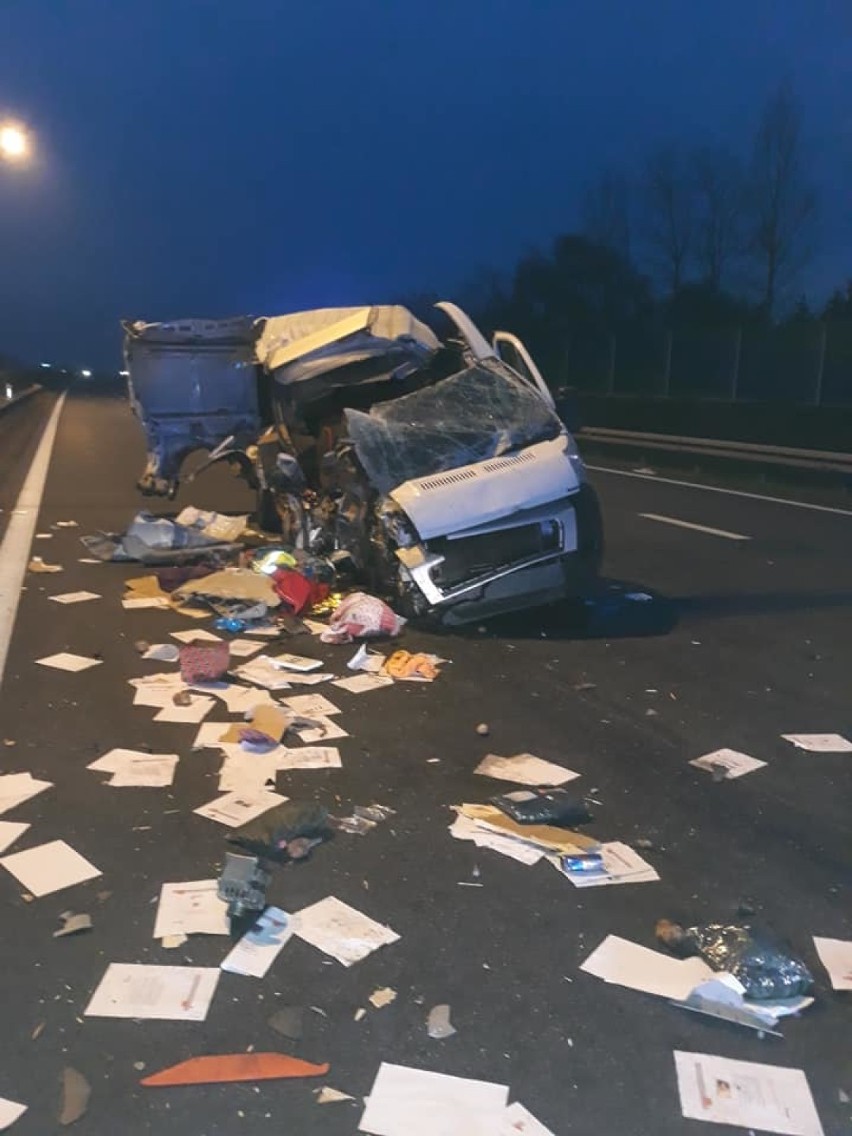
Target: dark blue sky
{"points": [[212, 157]]}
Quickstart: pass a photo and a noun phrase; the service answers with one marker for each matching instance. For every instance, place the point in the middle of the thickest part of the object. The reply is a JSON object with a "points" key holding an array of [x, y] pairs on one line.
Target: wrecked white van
{"points": [[430, 463]]}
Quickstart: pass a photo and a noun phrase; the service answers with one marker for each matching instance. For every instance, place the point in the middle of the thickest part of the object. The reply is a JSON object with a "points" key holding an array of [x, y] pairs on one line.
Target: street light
{"points": [[14, 142]]}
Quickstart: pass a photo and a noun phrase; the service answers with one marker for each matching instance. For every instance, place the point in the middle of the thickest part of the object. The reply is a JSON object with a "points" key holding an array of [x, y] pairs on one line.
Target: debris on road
{"points": [[543, 806], [327, 1095], [727, 764], [360, 616], [382, 997], [258, 949], [616, 863], [836, 956], [75, 597], [10, 831], [361, 683], [137, 990], [288, 1022], [767, 970], [68, 661], [73, 924], [132, 769], [37, 564], [418, 667], [741, 1093], [524, 769], [483, 729], [76, 1092], [228, 1068], [820, 743], [190, 908], [49, 867], [235, 809], [340, 931], [417, 1102], [202, 661], [438, 1024], [15, 788]]}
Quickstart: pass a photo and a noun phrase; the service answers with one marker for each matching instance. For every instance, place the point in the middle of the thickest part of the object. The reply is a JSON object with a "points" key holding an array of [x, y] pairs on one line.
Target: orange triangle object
{"points": [[220, 1068]]}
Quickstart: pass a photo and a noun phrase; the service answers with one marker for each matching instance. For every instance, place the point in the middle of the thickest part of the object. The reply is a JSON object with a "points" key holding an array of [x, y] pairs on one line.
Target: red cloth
{"points": [[297, 591]]}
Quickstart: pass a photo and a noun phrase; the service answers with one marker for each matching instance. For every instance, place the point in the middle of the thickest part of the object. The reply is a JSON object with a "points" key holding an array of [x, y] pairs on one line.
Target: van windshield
{"points": [[477, 414]]}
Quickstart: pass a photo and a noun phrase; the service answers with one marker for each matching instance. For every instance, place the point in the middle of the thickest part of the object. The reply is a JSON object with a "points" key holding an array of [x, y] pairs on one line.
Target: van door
{"points": [[513, 353]]}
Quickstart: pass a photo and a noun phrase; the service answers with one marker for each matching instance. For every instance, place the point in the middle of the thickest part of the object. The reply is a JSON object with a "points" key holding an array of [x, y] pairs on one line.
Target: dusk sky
{"points": [[204, 157]]}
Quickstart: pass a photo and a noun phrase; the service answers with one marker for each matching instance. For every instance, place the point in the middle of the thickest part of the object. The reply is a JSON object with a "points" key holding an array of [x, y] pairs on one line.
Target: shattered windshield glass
{"points": [[479, 413]]}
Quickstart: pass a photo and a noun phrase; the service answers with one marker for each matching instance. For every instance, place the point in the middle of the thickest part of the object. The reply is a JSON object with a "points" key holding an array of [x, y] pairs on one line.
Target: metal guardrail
{"points": [[822, 460], [6, 403]]}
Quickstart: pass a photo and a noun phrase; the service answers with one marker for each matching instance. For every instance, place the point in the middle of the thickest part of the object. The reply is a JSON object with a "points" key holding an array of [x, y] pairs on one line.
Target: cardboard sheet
{"points": [[545, 836]]}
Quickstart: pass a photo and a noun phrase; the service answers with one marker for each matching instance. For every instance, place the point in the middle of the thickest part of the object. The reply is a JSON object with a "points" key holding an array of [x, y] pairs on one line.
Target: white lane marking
{"points": [[691, 525], [15, 549], [719, 489]]}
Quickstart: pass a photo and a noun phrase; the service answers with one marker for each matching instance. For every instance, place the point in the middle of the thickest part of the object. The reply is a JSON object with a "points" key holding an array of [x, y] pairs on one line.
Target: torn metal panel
{"points": [[192, 383]]}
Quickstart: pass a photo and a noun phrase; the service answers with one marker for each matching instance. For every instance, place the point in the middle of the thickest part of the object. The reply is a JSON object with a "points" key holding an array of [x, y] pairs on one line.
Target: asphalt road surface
{"points": [[751, 639]]}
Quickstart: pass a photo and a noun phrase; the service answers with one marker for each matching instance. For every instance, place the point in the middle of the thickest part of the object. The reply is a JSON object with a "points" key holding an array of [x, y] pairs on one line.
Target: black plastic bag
{"points": [[766, 968], [543, 806], [287, 832]]}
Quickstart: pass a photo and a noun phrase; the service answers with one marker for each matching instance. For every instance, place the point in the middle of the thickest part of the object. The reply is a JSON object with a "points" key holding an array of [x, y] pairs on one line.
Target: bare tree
{"points": [[606, 212], [719, 202], [782, 202], [669, 214]]}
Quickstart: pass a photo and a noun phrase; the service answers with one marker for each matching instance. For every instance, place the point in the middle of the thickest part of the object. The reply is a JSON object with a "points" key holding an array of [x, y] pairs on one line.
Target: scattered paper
{"points": [[836, 956], [517, 1121], [89, 560], [242, 648], [820, 743], [743, 1093], [67, 661], [297, 663], [156, 690], [546, 837], [116, 759], [628, 964], [261, 671], [269, 632], [191, 908], [74, 597], [294, 679], [49, 867], [438, 1024], [464, 828], [73, 924], [192, 635], [234, 809], [246, 773], [132, 990], [163, 652], [414, 1102], [10, 830], [361, 683], [340, 931], [258, 949], [621, 865], [133, 603], [199, 707], [314, 626], [309, 757], [10, 1111], [15, 788], [210, 734], [243, 699], [322, 730], [736, 764], [311, 705], [148, 772], [524, 769], [363, 660]]}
